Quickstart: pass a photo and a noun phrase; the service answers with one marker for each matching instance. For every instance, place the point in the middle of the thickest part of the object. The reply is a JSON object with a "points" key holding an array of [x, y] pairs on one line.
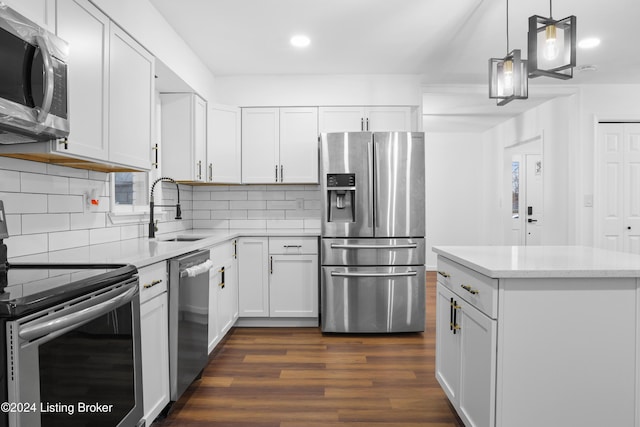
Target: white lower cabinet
{"points": [[278, 277], [223, 292], [466, 357], [154, 311]]}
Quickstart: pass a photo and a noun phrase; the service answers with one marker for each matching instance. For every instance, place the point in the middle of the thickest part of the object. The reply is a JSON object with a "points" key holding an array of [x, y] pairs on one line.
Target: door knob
{"points": [[532, 220]]}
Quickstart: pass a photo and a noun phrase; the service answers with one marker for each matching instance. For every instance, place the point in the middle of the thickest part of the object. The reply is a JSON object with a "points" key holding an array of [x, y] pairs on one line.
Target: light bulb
{"points": [[508, 76], [550, 50]]}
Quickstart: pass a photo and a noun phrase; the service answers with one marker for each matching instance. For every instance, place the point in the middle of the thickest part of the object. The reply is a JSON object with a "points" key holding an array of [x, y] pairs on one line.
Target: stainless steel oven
{"points": [[73, 354]]}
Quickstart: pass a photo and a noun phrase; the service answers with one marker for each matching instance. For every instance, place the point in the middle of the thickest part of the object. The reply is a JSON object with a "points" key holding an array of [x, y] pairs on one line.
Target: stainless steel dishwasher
{"points": [[188, 319]]}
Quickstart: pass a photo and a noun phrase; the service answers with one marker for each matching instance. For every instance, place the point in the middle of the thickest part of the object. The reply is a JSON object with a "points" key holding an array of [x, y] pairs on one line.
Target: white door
{"points": [[299, 145], [253, 277], [515, 204], [86, 29], [260, 140], [131, 95], [341, 119], [447, 344], [223, 145], [293, 286], [533, 211], [618, 187]]}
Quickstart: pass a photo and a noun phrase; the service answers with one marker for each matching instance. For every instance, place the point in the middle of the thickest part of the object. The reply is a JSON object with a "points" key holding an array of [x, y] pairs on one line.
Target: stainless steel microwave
{"points": [[33, 81]]}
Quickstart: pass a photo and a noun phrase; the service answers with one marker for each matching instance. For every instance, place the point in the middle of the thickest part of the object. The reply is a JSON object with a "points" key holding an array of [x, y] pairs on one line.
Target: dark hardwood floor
{"points": [[289, 377]]}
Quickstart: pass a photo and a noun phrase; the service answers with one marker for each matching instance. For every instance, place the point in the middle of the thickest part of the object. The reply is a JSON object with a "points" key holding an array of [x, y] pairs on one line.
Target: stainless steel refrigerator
{"points": [[373, 222]]}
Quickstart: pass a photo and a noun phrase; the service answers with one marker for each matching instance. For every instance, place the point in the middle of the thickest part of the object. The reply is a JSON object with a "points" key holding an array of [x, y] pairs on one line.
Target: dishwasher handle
{"points": [[198, 269]]}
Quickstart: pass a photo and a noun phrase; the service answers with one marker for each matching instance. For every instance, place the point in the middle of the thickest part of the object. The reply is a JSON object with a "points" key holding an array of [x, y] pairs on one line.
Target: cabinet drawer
{"points": [[293, 245], [153, 280], [477, 289]]}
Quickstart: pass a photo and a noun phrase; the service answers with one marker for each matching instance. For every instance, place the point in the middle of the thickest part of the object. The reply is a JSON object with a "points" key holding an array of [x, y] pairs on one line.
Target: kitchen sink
{"points": [[183, 239]]}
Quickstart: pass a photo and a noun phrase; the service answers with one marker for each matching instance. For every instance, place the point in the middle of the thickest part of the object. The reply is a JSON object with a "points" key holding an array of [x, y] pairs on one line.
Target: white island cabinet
{"points": [[539, 336]]}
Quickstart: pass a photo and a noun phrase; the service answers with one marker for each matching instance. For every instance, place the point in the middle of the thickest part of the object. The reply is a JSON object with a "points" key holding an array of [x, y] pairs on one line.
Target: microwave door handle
{"points": [[61, 325], [43, 112]]}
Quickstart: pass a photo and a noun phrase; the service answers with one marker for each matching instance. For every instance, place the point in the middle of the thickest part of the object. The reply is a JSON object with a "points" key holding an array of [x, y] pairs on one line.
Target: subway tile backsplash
{"points": [[46, 208]]}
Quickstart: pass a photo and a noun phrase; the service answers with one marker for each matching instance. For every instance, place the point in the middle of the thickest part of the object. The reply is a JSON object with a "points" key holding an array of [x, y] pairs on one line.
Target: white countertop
{"points": [[145, 251], [543, 261]]}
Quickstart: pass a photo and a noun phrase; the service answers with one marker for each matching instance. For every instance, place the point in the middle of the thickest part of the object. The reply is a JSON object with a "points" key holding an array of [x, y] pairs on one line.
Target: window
{"points": [[130, 192], [515, 189]]}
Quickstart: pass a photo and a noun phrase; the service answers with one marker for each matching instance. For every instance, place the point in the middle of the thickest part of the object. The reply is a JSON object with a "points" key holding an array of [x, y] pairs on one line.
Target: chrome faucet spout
{"points": [[152, 205]]}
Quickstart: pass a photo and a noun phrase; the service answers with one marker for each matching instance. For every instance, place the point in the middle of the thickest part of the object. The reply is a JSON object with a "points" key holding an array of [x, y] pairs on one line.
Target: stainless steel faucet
{"points": [[152, 205]]}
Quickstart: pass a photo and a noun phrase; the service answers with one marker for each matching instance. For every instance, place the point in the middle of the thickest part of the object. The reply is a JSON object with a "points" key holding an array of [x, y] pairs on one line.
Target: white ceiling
{"points": [[446, 42]]}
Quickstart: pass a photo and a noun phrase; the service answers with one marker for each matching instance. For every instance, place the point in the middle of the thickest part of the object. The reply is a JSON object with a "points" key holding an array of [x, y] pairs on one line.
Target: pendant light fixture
{"points": [[552, 46], [508, 75]]}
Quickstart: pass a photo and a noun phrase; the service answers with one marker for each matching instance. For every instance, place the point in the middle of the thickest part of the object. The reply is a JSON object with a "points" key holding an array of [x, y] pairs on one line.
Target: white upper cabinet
{"points": [[131, 95], [184, 136], [224, 155], [260, 141], [110, 89], [42, 12], [362, 118], [86, 29], [299, 145], [280, 145]]}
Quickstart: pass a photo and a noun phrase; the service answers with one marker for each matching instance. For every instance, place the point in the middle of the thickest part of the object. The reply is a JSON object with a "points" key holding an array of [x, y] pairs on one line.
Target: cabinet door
{"points": [[86, 29], [447, 344], [227, 303], [224, 155], [253, 277], [478, 340], [215, 278], [299, 145], [341, 119], [155, 355], [260, 140], [388, 119], [293, 286], [41, 12], [200, 137], [131, 91]]}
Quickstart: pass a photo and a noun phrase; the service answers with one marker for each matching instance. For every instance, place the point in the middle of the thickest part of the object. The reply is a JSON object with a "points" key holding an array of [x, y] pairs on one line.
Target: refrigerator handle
{"points": [[409, 273], [370, 179], [359, 246]]}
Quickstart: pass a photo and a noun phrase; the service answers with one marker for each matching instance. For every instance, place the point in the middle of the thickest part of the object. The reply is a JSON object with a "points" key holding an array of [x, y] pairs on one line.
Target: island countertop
{"points": [[543, 261]]}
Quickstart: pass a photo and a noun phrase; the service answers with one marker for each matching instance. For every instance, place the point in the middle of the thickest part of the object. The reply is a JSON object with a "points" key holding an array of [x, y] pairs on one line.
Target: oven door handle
{"points": [[405, 274], [76, 318]]}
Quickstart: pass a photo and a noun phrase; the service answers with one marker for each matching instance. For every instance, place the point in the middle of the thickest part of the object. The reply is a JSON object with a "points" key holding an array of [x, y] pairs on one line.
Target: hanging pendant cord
{"points": [[507, 27], [550, 9]]}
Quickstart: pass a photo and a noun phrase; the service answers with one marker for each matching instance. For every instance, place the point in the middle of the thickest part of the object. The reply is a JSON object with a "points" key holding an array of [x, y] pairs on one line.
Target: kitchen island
{"points": [[539, 336]]}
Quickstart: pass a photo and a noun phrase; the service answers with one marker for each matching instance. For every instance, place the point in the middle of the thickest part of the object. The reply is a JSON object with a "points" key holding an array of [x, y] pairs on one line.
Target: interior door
{"points": [[618, 187]]}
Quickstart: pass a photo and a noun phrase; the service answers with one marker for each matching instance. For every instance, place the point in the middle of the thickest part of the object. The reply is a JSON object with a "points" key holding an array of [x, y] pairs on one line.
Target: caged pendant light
{"points": [[552, 46], [508, 75]]}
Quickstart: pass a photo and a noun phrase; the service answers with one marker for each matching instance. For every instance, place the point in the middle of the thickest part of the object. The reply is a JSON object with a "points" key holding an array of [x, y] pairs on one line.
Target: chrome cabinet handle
{"points": [[281, 173], [444, 274], [470, 289], [292, 246], [210, 171], [355, 246], [276, 173], [270, 265], [199, 169], [152, 284], [367, 123], [361, 123]]}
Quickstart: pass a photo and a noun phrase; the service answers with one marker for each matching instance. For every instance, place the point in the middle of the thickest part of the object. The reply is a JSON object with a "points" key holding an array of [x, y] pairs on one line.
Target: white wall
{"points": [[555, 122], [292, 90], [145, 24], [454, 172]]}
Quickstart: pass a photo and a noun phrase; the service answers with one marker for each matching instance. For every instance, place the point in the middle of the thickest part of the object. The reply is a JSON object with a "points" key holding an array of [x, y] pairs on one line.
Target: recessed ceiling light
{"points": [[589, 43], [300, 41]]}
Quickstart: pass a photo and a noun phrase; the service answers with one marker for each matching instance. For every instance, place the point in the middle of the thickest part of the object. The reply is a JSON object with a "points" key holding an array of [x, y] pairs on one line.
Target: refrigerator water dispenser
{"points": [[341, 189]]}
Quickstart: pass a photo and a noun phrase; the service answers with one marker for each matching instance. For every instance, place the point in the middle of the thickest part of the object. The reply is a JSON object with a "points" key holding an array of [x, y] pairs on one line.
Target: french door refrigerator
{"points": [[372, 223]]}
